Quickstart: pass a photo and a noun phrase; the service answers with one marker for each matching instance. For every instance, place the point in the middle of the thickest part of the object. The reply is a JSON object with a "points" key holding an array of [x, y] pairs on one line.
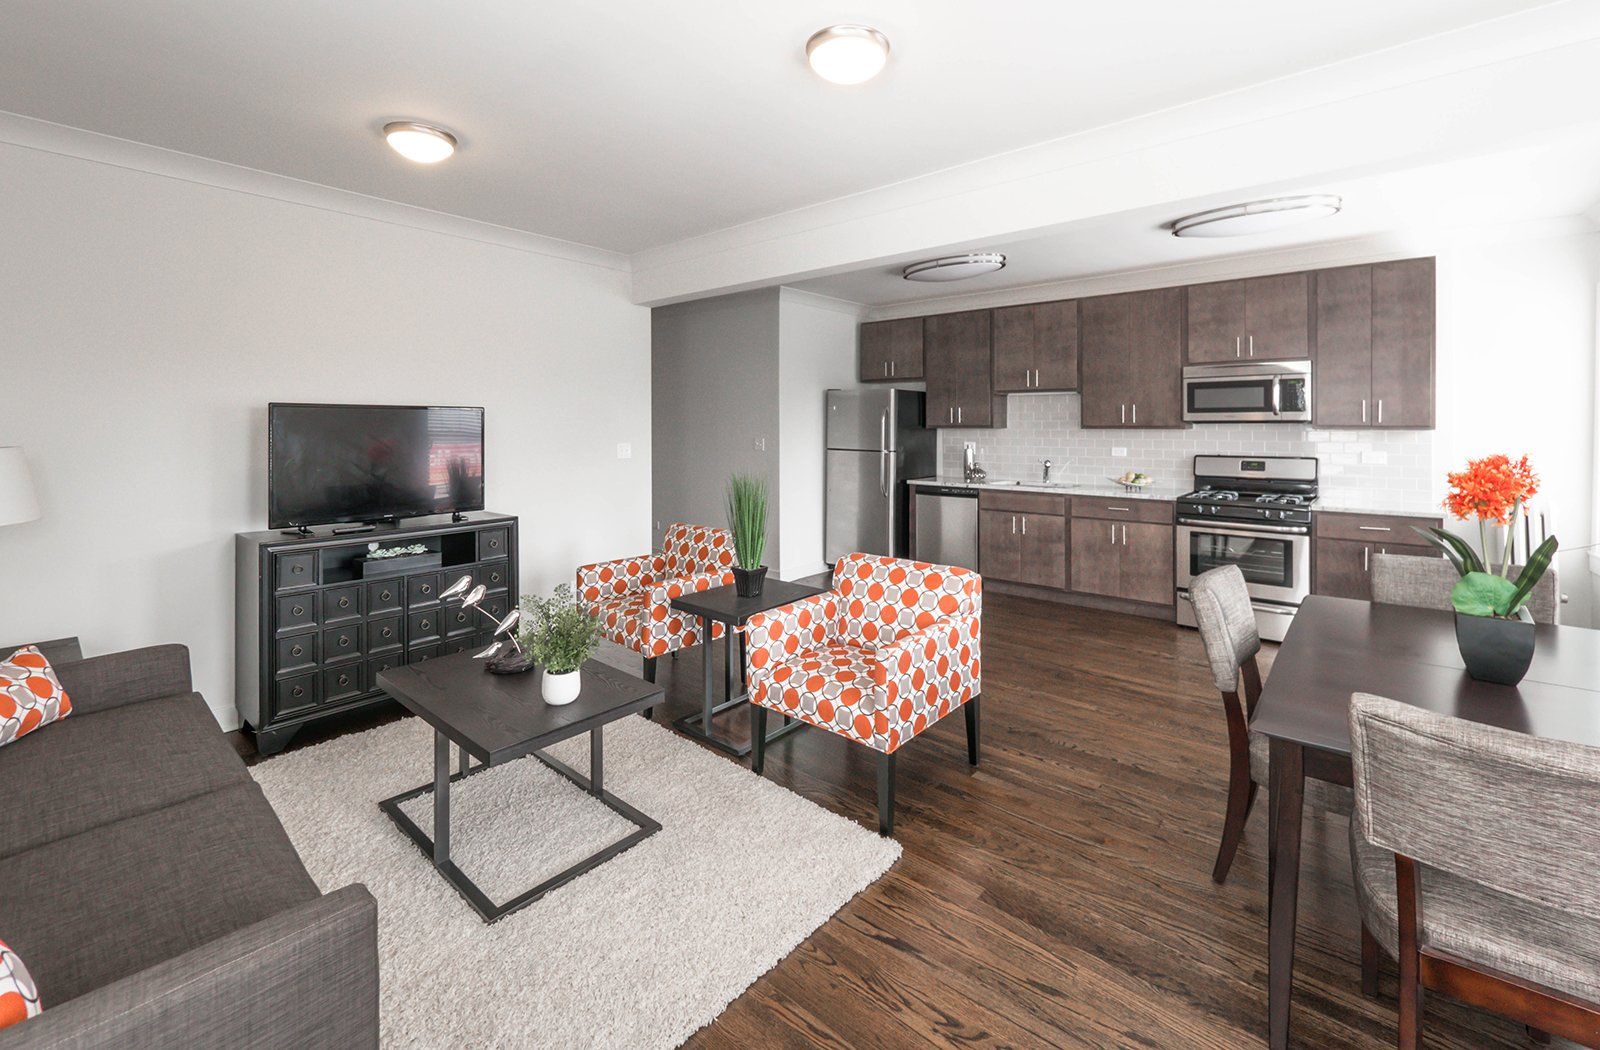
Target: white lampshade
{"points": [[18, 500]]}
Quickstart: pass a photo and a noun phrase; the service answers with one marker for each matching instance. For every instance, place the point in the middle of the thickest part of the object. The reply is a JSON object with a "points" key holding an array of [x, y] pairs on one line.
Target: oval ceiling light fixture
{"points": [[847, 54], [955, 267], [422, 143], [1241, 220]]}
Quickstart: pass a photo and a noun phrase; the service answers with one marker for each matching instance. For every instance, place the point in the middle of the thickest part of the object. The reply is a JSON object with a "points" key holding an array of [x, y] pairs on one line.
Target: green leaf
{"points": [[1460, 553], [1538, 562], [1482, 594]]}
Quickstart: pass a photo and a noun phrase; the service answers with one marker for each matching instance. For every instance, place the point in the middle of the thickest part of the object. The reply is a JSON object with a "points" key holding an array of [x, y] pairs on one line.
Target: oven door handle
{"points": [[1248, 531]]}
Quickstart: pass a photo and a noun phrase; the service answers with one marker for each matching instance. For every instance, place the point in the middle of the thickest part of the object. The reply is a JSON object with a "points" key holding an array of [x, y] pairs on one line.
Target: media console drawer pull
{"points": [[344, 603], [344, 679], [1374, 528], [299, 610], [426, 588], [388, 632], [386, 596], [299, 691], [344, 641], [297, 651]]}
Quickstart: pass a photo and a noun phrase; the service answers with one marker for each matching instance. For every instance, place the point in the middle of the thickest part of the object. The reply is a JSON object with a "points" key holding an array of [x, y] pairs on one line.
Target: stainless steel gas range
{"points": [[1253, 512]]}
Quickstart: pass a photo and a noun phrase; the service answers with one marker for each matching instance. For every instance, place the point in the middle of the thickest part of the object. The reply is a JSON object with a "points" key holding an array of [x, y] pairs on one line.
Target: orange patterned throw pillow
{"points": [[30, 694], [19, 999]]}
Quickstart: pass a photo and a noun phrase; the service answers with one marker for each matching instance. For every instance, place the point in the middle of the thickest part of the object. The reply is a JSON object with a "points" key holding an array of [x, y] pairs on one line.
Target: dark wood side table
{"points": [[723, 605], [498, 718], [1336, 647]]}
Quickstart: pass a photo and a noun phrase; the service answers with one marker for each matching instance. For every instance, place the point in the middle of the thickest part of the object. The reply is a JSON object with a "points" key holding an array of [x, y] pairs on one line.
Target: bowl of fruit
{"points": [[1134, 480]]}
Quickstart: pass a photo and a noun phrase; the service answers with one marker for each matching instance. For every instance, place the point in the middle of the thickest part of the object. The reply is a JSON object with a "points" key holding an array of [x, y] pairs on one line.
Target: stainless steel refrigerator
{"points": [[876, 441]]}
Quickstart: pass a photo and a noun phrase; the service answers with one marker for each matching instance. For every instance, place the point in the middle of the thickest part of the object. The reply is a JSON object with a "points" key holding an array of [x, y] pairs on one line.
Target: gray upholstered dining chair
{"points": [[1405, 579], [1227, 624], [1473, 850]]}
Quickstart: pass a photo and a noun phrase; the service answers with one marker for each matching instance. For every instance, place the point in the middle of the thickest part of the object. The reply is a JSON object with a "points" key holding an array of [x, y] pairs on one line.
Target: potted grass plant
{"points": [[559, 635], [747, 520], [1493, 628]]}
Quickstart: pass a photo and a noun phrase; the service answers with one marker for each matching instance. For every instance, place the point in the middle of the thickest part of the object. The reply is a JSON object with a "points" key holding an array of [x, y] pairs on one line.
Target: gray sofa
{"points": [[149, 888]]}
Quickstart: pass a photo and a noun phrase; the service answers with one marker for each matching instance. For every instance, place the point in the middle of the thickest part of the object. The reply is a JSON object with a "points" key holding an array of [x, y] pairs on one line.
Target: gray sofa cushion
{"points": [[99, 906], [92, 769]]}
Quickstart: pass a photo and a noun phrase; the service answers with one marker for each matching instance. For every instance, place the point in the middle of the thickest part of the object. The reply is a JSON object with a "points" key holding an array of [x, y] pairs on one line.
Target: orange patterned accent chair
{"points": [[890, 650], [632, 596]]}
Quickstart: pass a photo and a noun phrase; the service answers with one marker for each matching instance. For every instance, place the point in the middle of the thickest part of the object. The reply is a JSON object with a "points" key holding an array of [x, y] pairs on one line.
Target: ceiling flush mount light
{"points": [[955, 267], [422, 143], [1241, 220], [847, 54]]}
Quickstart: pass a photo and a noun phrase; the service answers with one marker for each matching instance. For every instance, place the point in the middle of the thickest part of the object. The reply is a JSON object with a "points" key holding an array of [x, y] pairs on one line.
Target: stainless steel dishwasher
{"points": [[947, 526]]}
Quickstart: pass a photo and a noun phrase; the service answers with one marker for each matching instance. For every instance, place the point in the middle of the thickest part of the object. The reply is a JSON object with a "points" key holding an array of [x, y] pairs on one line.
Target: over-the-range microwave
{"points": [[1248, 392]]}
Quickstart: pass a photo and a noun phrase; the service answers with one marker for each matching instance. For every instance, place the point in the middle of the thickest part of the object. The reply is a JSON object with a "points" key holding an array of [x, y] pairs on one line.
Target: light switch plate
{"points": [[624, 450], [761, 444]]}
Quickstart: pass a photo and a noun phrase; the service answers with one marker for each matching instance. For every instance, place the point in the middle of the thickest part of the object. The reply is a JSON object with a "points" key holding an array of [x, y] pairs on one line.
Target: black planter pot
{"points": [[1493, 649], [748, 582]]}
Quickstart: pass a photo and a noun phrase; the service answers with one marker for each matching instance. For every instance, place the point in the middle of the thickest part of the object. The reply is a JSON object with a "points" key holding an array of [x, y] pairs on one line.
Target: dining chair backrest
{"points": [[1425, 583], [1227, 623], [1504, 809]]}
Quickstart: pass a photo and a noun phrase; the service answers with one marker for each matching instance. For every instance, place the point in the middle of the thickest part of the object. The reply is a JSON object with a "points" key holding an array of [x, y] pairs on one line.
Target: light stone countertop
{"points": [[1104, 489], [1356, 503]]}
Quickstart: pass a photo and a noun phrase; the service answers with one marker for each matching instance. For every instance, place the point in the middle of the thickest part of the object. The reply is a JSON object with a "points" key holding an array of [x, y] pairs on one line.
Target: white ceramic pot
{"points": [[559, 689]]}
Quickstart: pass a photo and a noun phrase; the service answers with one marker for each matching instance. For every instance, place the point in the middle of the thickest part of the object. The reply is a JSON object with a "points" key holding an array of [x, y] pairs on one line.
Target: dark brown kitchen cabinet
{"points": [[1118, 551], [1343, 545], [1375, 345], [1036, 347], [1022, 538], [1132, 359], [958, 358], [1260, 318], [891, 350]]}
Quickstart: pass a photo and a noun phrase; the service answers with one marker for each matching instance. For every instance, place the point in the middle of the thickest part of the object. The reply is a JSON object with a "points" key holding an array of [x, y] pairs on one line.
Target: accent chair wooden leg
{"points": [[1241, 798], [1410, 979], [971, 707], [1371, 959], [885, 794], [758, 738]]}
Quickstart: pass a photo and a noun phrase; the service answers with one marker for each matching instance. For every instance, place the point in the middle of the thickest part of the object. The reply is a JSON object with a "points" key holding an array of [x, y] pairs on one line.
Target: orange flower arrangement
{"points": [[1491, 489]]}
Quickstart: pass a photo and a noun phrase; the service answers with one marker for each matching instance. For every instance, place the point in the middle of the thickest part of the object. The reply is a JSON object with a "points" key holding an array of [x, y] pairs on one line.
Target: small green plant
{"points": [[747, 518], [557, 633]]}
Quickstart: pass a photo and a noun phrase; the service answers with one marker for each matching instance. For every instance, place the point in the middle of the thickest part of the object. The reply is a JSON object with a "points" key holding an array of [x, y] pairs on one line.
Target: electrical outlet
{"points": [[1119, 452], [761, 444], [624, 450]]}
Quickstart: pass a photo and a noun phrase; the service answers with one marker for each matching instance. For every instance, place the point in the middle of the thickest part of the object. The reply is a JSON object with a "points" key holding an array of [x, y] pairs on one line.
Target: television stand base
{"points": [[298, 530], [458, 516]]}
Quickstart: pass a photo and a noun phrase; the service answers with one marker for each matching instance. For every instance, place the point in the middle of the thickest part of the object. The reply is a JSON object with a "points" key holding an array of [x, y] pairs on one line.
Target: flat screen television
{"points": [[341, 463]]}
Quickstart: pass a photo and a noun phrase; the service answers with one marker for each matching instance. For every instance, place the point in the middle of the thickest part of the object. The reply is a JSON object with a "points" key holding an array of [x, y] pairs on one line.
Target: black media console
{"points": [[311, 634]]}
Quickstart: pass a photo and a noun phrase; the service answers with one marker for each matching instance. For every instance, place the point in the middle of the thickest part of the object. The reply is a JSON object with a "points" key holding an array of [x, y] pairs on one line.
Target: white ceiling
{"points": [[1550, 179], [630, 124]]}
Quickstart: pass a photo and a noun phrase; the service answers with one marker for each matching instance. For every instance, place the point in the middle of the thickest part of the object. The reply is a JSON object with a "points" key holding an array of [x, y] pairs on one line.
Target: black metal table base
{"points": [[439, 850], [699, 726], [689, 725]]}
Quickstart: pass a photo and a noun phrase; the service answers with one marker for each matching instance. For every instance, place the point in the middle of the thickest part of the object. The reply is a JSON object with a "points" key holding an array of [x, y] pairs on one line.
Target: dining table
{"points": [[1338, 646]]}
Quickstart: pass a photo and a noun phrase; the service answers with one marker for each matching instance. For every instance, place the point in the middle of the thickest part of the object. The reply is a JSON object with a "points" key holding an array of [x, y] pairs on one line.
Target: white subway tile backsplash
{"points": [[1383, 469]]}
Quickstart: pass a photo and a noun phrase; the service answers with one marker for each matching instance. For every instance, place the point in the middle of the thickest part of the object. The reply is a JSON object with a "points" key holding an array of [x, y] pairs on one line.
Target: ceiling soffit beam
{"points": [[1489, 87]]}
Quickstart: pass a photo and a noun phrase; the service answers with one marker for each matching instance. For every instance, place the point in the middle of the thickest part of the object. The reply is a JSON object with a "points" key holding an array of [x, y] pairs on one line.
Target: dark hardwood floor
{"points": [[1060, 893]]}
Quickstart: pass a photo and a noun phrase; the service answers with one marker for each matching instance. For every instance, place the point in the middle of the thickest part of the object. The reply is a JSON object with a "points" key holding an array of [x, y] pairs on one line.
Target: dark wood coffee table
{"points": [[498, 718], [723, 605]]}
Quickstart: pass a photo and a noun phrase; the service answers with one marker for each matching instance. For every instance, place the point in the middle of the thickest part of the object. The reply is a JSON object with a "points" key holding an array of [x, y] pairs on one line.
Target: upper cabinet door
{"points": [[891, 350], [1402, 343], [1014, 358], [1277, 314], [1341, 383], [959, 360], [1055, 345], [1155, 359], [1217, 322], [1105, 337]]}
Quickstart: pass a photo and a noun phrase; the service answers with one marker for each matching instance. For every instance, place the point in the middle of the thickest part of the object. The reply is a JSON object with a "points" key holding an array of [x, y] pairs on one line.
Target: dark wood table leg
{"points": [[441, 799], [1287, 776]]}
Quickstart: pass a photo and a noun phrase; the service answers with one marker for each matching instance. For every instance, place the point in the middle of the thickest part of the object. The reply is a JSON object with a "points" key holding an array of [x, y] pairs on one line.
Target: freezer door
{"points": [[859, 511], [859, 419]]}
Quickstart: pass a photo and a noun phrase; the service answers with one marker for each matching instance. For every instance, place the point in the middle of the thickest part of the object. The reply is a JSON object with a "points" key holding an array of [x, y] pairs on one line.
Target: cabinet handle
{"points": [[1024, 524], [299, 691], [388, 632], [344, 679], [1236, 350], [1013, 524], [1380, 410], [1252, 346], [886, 369], [1366, 559], [1124, 535], [344, 641], [1136, 412], [298, 569], [891, 369], [1363, 410], [297, 651], [493, 544], [344, 603], [1124, 413], [384, 596], [958, 413], [299, 610], [1113, 534], [426, 588], [1374, 528], [426, 625], [1119, 510]]}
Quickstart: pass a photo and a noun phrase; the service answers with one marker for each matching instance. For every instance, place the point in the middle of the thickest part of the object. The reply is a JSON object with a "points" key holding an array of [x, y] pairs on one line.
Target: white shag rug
{"points": [[640, 952]]}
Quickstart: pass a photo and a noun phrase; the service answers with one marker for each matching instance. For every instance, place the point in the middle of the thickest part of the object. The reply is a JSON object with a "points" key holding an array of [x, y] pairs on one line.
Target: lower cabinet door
{"points": [[1146, 569], [1044, 551], [1343, 569], [1097, 556], [999, 545]]}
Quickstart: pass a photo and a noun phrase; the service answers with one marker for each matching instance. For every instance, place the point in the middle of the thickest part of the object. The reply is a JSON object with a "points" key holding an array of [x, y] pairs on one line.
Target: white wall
{"points": [[816, 353], [714, 390], [148, 321]]}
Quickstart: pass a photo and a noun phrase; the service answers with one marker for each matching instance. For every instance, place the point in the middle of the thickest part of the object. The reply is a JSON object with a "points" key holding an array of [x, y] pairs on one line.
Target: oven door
{"points": [[1276, 565]]}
